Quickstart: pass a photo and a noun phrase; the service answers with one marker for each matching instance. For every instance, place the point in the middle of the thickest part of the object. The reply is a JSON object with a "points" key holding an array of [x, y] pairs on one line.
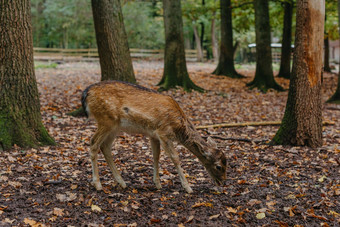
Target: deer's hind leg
{"points": [[96, 141], [106, 149], [155, 146]]}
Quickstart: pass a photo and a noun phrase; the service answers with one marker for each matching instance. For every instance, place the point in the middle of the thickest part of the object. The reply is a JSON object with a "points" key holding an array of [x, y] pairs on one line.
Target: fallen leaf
{"points": [[202, 204], [214, 216], [231, 210], [58, 211], [260, 215], [190, 219], [95, 208]]}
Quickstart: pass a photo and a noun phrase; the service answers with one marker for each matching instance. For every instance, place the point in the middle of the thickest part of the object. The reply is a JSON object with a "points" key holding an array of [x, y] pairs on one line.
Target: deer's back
{"points": [[132, 108]]}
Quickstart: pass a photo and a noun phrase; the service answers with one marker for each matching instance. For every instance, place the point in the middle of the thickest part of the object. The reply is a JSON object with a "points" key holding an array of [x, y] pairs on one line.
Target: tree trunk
{"points": [[198, 43], [20, 118], [264, 78], [286, 50], [226, 59], [113, 48], [302, 121], [214, 43], [326, 66], [336, 96], [175, 69]]}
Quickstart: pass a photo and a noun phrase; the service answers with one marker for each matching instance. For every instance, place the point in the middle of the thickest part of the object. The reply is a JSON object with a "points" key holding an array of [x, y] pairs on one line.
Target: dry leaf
{"points": [[260, 215], [95, 208], [214, 216], [231, 210], [58, 211]]}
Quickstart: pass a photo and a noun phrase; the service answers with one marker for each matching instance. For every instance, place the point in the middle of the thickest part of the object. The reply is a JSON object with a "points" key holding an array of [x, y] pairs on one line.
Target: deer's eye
{"points": [[219, 167]]}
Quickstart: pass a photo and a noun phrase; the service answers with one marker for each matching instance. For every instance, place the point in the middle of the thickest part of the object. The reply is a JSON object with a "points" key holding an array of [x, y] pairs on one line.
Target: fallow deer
{"points": [[119, 106]]}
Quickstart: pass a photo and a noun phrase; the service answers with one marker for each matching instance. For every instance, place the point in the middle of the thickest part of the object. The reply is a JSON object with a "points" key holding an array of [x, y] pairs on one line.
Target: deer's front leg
{"points": [[155, 146], [106, 149], [95, 173], [172, 153]]}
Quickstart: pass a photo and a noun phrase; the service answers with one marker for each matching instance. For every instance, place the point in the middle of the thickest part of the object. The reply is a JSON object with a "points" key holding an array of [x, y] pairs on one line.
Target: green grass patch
{"points": [[43, 65]]}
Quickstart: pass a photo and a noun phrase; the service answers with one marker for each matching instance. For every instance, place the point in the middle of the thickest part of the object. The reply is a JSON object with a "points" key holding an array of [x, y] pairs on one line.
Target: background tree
{"points": [[264, 78], [226, 59], [194, 12], [286, 49], [113, 48], [302, 121], [20, 118], [336, 96], [175, 69]]}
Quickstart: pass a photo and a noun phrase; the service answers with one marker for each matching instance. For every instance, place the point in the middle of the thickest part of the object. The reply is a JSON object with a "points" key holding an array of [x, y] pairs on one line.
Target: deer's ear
{"points": [[211, 142]]}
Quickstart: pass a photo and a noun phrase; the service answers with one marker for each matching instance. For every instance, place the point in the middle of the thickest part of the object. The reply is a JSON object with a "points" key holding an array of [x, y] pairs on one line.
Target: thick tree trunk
{"points": [[326, 66], [20, 118], [302, 121], [113, 48], [198, 43], [264, 78], [226, 59], [175, 68], [286, 50]]}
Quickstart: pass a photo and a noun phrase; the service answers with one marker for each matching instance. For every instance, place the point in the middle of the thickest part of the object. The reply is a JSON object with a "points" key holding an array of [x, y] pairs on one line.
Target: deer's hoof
{"points": [[97, 185]]}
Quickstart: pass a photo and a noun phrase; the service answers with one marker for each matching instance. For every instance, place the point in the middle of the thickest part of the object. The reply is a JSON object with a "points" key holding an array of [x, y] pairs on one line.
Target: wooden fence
{"points": [[57, 54]]}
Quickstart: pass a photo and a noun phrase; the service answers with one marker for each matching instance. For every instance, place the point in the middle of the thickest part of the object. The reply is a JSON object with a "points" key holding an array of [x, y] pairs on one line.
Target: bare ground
{"points": [[266, 185]]}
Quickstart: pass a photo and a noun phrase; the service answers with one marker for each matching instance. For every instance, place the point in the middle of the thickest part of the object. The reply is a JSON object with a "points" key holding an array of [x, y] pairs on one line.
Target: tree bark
{"points": [[198, 43], [214, 43], [226, 59], [326, 66], [336, 96], [286, 50], [175, 69], [264, 78], [113, 48], [302, 121], [20, 118]]}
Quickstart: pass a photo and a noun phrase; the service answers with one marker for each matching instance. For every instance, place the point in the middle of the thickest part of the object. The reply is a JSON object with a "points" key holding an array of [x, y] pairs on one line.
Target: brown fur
{"points": [[118, 106]]}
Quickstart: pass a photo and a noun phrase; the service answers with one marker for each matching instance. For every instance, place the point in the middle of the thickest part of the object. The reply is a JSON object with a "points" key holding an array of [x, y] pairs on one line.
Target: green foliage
{"points": [[63, 23], [69, 23], [143, 27], [331, 23]]}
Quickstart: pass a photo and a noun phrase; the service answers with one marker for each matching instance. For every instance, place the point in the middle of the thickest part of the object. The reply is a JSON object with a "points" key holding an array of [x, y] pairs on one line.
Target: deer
{"points": [[118, 106]]}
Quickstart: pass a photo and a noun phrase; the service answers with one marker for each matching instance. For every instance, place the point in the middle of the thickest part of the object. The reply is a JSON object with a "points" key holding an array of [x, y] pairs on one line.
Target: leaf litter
{"points": [[266, 185]]}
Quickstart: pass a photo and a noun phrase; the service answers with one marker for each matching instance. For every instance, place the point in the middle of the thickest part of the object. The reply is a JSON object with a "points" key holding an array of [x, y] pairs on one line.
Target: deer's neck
{"points": [[193, 141]]}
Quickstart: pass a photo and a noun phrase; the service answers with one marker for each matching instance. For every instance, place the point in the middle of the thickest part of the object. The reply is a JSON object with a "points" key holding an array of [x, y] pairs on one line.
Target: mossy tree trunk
{"points": [[302, 121], [113, 48], [336, 96], [175, 69], [20, 118], [264, 78], [286, 50], [226, 65]]}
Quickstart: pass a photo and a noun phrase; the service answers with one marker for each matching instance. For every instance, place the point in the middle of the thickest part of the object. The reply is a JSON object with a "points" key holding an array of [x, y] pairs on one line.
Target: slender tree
{"points": [[326, 66], [286, 50], [302, 121], [113, 48], [226, 59], [336, 96], [175, 69], [264, 78], [20, 118]]}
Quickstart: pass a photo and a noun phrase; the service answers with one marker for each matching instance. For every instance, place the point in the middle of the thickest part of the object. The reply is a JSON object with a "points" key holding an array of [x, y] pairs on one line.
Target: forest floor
{"points": [[265, 186]]}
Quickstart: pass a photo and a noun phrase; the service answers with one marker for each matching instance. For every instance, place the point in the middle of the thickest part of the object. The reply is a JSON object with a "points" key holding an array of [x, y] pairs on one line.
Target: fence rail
{"points": [[58, 54]]}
